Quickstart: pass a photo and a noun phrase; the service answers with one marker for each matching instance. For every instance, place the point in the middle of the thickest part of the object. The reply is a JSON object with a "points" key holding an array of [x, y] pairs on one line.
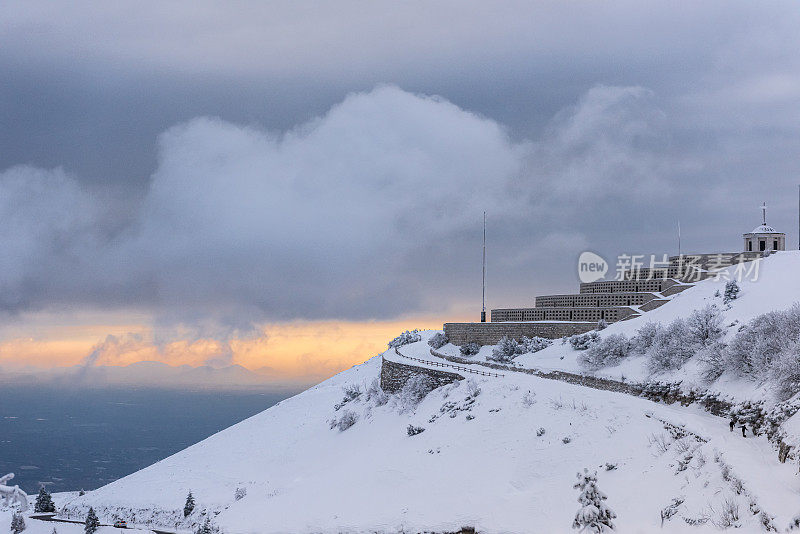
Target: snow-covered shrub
{"points": [[412, 430], [375, 394], [438, 340], [666, 392], [671, 348], [731, 291], [529, 399], [705, 325], [566, 439], [351, 393], [473, 389], [660, 441], [415, 389], [409, 336], [644, 337], [584, 341], [240, 494], [608, 352], [470, 349], [594, 515], [671, 509], [345, 421], [540, 431], [535, 343], [761, 341], [506, 350], [728, 516], [602, 324]]}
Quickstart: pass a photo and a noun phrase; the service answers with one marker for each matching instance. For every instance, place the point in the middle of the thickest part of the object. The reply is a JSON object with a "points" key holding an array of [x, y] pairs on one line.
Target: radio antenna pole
{"points": [[483, 286]]}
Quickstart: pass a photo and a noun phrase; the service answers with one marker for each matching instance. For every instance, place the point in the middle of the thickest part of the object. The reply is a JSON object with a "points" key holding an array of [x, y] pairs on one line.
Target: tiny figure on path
{"points": [[744, 435], [733, 424]]}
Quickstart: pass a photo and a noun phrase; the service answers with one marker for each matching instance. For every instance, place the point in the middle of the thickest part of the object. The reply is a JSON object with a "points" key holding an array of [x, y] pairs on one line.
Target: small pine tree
{"points": [[207, 527], [731, 292], [92, 522], [44, 502], [594, 515], [17, 523], [189, 506]]}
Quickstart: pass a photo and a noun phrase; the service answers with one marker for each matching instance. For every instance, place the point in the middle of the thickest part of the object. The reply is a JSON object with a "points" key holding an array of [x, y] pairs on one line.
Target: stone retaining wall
{"points": [[395, 375], [716, 407], [491, 333]]}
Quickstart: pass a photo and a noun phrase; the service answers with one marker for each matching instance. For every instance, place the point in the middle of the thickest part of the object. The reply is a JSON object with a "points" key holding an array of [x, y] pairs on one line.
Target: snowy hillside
{"points": [[497, 453]]}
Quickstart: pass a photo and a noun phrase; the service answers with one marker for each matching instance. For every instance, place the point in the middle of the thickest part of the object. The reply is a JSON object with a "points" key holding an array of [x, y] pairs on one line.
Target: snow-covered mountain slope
{"points": [[497, 453], [479, 462]]}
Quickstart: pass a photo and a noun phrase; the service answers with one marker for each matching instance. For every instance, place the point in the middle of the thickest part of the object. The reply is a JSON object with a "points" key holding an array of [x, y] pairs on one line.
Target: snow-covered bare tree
{"points": [[593, 515], [671, 347], [713, 359], [760, 342], [705, 325], [785, 373], [608, 352], [644, 337]]}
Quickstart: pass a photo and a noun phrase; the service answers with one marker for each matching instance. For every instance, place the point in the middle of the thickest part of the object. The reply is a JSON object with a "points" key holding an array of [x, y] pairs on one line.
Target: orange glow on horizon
{"points": [[298, 350]]}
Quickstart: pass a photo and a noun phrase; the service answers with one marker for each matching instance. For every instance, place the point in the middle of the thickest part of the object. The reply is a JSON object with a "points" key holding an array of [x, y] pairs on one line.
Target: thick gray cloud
{"points": [[315, 194], [316, 222]]}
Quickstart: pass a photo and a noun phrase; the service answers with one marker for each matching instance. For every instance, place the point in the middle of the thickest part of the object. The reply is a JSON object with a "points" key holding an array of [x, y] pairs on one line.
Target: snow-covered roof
{"points": [[764, 229]]}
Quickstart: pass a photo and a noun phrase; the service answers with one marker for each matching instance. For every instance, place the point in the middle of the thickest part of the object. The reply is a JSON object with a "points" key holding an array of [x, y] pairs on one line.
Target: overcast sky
{"points": [[215, 166]]}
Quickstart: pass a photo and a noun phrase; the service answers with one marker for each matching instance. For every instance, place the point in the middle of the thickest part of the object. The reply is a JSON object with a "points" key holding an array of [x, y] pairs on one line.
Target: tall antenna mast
{"points": [[764, 213], [679, 238], [798, 217], [483, 286]]}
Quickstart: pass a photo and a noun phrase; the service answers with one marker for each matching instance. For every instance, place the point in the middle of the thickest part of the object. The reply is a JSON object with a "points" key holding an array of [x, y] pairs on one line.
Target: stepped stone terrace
{"points": [[639, 290]]}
